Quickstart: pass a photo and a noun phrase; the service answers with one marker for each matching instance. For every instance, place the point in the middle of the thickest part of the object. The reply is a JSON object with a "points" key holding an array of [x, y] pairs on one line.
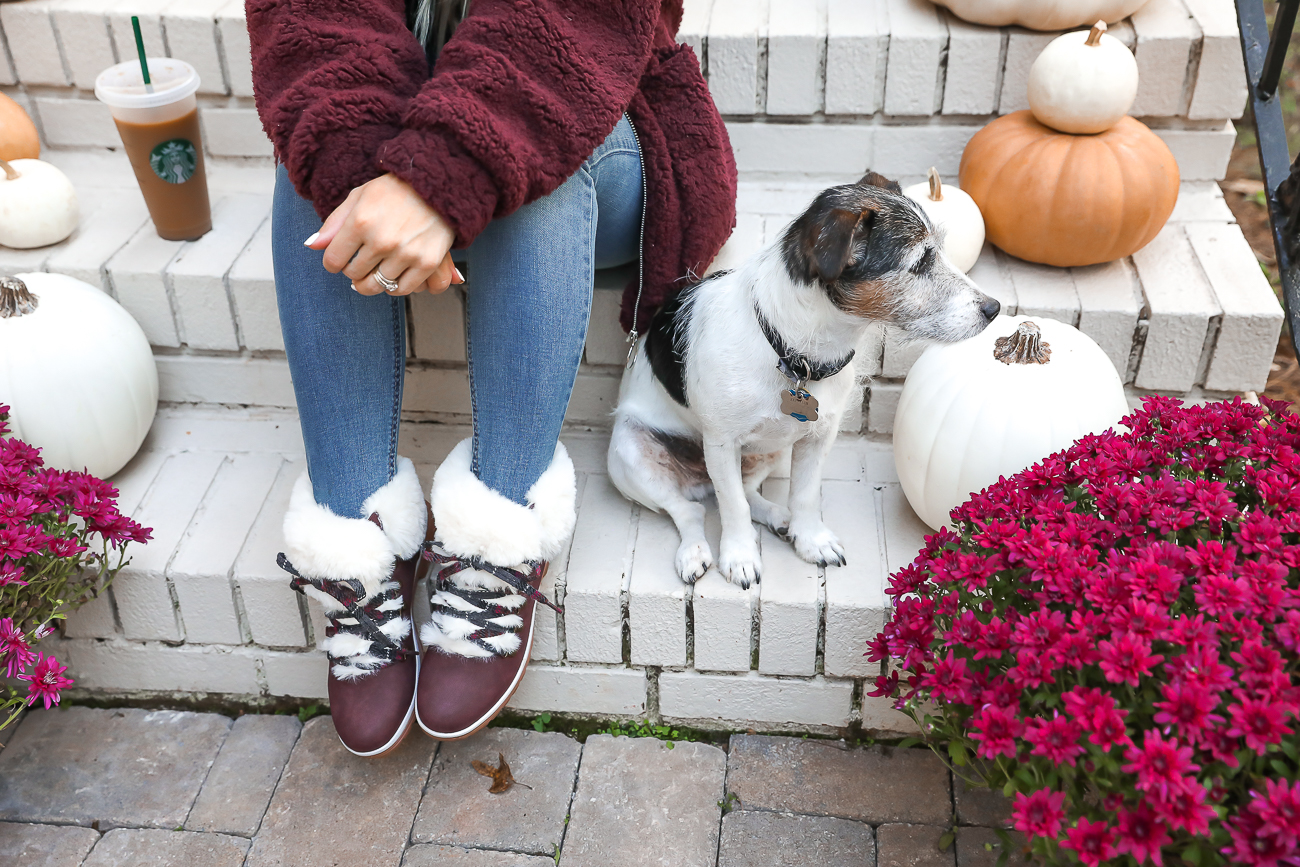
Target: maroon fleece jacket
{"points": [[522, 93]]}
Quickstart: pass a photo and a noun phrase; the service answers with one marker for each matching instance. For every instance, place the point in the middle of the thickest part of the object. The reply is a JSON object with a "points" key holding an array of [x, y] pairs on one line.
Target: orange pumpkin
{"points": [[18, 138], [1066, 200]]}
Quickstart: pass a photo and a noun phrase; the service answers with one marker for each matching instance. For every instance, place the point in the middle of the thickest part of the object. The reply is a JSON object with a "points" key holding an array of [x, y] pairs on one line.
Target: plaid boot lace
{"points": [[362, 617], [492, 612]]}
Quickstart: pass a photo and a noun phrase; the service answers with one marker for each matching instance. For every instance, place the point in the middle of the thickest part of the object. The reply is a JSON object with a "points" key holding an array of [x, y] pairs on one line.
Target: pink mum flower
{"points": [[1056, 739], [1039, 814], [1127, 658], [1093, 842], [1259, 722], [995, 729], [15, 654], [1161, 765], [1141, 834], [1279, 810], [46, 681]]}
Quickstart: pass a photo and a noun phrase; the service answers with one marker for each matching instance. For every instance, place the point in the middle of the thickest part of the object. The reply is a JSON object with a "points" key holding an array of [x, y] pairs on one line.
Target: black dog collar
{"points": [[796, 367]]}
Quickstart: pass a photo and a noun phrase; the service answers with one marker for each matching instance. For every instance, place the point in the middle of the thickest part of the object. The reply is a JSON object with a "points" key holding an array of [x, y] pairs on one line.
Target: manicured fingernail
{"points": [[460, 278], [354, 287], [311, 240]]}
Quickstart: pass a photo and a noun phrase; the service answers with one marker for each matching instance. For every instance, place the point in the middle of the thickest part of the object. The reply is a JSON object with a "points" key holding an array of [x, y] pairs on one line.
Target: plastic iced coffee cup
{"points": [[159, 125]]}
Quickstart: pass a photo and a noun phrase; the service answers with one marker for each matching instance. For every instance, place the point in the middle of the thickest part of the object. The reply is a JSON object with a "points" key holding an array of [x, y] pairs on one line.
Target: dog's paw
{"points": [[817, 544], [739, 562], [693, 561], [775, 518]]}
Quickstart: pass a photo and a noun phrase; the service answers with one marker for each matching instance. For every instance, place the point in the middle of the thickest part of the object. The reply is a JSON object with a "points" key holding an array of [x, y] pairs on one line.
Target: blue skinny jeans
{"points": [[528, 303]]}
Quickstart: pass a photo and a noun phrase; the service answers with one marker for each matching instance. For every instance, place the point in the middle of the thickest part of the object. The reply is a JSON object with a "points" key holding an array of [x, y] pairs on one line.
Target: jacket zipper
{"points": [[640, 246]]}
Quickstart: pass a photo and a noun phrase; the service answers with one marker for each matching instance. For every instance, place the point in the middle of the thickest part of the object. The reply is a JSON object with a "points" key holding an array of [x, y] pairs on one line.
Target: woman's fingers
{"points": [[320, 240], [442, 277], [383, 224]]}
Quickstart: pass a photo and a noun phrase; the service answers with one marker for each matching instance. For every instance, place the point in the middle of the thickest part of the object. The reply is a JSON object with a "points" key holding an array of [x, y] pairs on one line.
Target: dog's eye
{"points": [[924, 264]]}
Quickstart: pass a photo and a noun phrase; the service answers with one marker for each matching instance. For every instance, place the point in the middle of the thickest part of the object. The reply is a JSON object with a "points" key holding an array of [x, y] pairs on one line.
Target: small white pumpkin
{"points": [[1083, 82], [956, 214], [38, 205], [77, 372], [1042, 14], [996, 404]]}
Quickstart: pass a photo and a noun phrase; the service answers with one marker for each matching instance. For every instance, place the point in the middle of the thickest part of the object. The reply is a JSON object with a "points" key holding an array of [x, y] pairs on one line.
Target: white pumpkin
{"points": [[965, 417], [38, 205], [77, 372], [1042, 14], [1083, 82], [956, 214]]}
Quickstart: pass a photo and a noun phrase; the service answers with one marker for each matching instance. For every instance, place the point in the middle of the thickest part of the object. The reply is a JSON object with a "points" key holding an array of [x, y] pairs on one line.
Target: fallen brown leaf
{"points": [[501, 777]]}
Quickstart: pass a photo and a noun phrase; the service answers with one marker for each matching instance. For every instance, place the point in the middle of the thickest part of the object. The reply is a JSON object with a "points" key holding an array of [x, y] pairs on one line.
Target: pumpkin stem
{"points": [[11, 173], [936, 188], [15, 298], [1026, 346], [1094, 35]]}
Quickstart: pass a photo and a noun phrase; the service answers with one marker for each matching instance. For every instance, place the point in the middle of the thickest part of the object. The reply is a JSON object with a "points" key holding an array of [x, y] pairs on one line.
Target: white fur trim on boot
{"points": [[475, 521], [324, 545], [401, 509]]}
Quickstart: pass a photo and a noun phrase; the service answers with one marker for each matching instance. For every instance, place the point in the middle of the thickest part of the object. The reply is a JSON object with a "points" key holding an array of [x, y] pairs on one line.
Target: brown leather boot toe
{"points": [[459, 694], [373, 704]]}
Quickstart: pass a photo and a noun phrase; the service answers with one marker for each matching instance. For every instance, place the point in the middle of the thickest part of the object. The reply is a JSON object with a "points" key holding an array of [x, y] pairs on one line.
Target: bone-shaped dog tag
{"points": [[799, 404]]}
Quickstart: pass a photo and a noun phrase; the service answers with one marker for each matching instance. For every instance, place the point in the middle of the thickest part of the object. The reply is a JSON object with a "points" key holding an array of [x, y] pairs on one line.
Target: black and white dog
{"points": [[750, 361]]}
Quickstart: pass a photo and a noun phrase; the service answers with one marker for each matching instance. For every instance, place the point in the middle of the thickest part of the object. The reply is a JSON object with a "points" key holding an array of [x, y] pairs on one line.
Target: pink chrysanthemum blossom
{"points": [[1039, 814], [1141, 834], [15, 652], [1093, 842], [1057, 739], [1160, 765], [46, 681]]}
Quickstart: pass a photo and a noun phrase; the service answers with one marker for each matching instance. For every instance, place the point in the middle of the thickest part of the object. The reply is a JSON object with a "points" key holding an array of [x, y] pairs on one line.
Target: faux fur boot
{"points": [[487, 561], [362, 572]]}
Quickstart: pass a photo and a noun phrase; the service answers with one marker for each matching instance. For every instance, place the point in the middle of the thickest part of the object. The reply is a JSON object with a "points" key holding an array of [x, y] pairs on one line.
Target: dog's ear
{"points": [[828, 242], [874, 179]]}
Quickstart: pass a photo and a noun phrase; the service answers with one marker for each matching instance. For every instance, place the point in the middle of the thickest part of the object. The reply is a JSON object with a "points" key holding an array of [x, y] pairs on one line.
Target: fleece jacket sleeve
{"points": [[332, 79], [522, 93]]}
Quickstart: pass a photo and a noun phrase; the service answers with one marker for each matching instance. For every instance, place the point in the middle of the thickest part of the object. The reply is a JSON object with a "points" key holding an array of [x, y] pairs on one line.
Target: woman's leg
{"points": [[357, 518], [347, 356], [529, 304], [503, 501]]}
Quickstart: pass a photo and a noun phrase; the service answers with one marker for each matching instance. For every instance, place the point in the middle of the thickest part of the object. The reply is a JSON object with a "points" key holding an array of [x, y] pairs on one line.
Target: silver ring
{"points": [[384, 283]]}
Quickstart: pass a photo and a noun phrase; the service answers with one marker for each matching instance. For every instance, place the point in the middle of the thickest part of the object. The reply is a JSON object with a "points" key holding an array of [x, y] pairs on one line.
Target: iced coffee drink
{"points": [[159, 125]]}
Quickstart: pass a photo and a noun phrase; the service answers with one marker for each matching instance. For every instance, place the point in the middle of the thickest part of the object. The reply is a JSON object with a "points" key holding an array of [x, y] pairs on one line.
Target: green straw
{"points": [[139, 47]]}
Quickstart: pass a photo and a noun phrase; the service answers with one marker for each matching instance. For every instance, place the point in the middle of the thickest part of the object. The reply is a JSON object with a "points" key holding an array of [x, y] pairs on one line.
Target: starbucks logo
{"points": [[174, 161]]}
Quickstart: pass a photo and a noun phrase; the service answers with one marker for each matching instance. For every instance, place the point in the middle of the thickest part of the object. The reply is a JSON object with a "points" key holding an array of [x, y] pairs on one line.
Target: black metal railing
{"points": [[1265, 56]]}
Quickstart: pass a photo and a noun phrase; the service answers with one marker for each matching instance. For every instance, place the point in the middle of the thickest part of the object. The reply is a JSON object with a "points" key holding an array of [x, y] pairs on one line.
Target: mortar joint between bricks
{"points": [[819, 654], [1208, 349], [241, 612], [690, 628], [855, 706], [652, 673], [941, 78], [221, 57], [1001, 74], [1190, 75]]}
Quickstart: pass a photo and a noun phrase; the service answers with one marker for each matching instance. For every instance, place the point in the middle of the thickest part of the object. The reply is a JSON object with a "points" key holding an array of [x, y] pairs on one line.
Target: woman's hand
{"points": [[384, 227]]}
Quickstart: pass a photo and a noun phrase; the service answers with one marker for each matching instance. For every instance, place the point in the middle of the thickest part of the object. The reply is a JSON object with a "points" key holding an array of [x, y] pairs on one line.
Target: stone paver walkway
{"points": [[106, 787]]}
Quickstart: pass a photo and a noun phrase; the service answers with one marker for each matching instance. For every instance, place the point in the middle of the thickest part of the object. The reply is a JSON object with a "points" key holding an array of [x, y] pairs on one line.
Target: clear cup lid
{"points": [[122, 86]]}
